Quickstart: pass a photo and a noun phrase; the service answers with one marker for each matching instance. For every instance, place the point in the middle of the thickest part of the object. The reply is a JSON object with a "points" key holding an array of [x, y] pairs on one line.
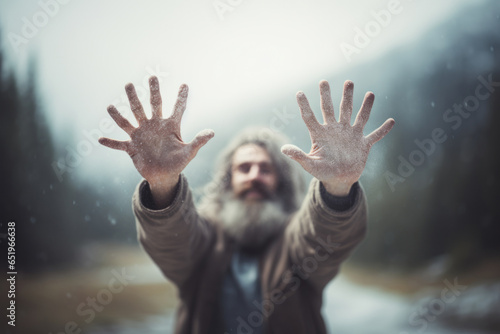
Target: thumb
{"points": [[295, 153], [200, 139]]}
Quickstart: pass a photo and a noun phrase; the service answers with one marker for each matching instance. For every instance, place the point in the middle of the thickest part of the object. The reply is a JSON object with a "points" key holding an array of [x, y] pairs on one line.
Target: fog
{"points": [[233, 56]]}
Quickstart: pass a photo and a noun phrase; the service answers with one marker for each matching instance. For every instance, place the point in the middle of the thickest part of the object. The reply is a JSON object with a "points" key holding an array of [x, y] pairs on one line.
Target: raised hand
{"points": [[338, 150], [155, 146]]}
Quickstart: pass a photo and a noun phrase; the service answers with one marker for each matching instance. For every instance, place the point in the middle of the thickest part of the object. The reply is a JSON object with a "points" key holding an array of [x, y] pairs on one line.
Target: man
{"points": [[249, 260]]}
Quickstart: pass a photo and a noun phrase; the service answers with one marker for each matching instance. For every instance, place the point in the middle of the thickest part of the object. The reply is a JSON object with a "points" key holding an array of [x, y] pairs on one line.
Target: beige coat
{"points": [[194, 254]]}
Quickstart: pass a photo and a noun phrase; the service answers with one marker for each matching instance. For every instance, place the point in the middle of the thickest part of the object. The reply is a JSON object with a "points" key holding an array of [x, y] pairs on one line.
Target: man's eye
{"points": [[245, 168], [265, 169]]}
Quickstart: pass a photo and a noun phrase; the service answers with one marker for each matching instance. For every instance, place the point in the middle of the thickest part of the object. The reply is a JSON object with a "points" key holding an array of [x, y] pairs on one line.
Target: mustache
{"points": [[258, 187]]}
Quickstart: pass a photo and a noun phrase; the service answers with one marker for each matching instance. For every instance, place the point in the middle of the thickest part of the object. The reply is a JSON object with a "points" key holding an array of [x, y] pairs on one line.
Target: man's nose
{"points": [[255, 173]]}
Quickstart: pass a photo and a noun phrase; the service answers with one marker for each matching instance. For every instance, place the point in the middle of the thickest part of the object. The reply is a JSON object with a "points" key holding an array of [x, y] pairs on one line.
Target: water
{"points": [[351, 308]]}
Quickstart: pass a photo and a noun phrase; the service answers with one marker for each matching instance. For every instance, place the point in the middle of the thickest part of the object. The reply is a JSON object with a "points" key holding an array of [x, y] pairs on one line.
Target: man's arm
{"points": [[169, 228], [322, 229], [175, 237], [320, 237]]}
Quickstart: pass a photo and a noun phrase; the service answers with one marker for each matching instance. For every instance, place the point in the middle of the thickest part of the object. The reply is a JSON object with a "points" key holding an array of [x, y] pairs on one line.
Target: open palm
{"points": [[156, 146], [338, 150]]}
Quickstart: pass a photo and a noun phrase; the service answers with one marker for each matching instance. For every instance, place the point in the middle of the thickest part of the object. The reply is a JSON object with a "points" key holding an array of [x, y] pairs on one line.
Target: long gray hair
{"points": [[290, 189]]}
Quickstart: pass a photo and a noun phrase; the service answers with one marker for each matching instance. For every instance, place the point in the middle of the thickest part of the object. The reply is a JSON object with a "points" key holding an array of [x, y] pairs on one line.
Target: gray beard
{"points": [[252, 224]]}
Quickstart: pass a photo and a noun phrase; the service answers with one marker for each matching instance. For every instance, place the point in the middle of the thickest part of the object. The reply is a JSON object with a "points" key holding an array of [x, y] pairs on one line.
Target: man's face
{"points": [[254, 176]]}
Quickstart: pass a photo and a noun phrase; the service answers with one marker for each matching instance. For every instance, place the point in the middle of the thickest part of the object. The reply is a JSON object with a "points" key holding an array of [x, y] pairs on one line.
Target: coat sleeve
{"points": [[176, 237], [320, 238]]}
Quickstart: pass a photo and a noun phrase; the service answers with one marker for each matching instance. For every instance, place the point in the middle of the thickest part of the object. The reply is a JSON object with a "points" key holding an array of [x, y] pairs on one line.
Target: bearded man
{"points": [[252, 258]]}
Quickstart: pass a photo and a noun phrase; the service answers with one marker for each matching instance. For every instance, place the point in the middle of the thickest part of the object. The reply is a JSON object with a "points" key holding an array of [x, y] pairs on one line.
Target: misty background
{"points": [[433, 211]]}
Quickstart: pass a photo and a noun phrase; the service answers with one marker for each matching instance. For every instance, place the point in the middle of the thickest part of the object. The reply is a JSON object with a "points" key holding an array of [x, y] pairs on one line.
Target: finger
{"points": [[200, 139], [326, 102], [307, 113], [364, 112], [346, 103], [378, 134], [120, 120], [154, 88], [114, 144], [295, 153], [180, 104], [135, 104]]}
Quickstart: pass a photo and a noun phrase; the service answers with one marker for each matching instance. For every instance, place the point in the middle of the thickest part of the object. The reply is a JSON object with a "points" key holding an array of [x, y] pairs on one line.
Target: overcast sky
{"points": [[230, 52]]}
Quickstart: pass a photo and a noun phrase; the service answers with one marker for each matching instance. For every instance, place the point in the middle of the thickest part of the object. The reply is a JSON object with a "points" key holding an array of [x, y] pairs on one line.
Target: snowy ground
{"points": [[49, 302], [352, 308]]}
